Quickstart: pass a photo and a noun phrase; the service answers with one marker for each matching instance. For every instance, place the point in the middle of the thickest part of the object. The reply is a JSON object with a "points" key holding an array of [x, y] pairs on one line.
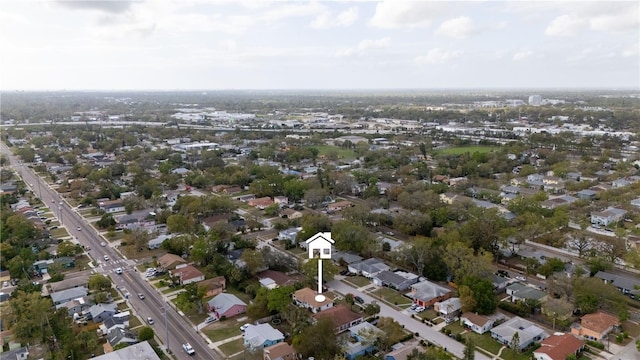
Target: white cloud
{"points": [[394, 14], [363, 46], [290, 10], [459, 28], [565, 25], [343, 19], [522, 55], [438, 56], [629, 21], [631, 50]]}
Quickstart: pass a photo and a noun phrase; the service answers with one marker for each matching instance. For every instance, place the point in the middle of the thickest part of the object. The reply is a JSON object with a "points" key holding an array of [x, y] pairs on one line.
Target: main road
{"points": [[174, 330]]}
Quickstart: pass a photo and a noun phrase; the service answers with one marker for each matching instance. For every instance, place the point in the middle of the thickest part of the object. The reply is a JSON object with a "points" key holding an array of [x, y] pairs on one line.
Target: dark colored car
{"points": [[358, 299], [503, 273]]}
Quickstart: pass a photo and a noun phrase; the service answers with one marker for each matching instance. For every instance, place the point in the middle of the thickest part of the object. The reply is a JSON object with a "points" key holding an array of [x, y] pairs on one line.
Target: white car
{"points": [[106, 258], [244, 327], [119, 271], [150, 321], [187, 347], [103, 244], [521, 278], [79, 228]]}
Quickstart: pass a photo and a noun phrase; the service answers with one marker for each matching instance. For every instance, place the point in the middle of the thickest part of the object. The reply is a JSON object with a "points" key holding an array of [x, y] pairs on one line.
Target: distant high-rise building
{"points": [[535, 100]]}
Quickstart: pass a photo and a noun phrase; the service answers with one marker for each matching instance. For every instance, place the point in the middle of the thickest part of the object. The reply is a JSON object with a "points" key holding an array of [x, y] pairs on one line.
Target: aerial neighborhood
{"points": [[469, 228]]}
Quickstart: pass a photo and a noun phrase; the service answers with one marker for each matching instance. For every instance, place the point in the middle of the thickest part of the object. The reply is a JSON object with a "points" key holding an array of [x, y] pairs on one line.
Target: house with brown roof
{"points": [[187, 274], [279, 351], [214, 286], [339, 205], [306, 298], [343, 318], [260, 203], [292, 214], [477, 323], [170, 261], [558, 347], [426, 293], [595, 326]]}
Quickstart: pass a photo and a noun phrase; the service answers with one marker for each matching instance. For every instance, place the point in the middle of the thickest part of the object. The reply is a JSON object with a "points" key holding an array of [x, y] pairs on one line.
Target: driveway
{"points": [[410, 324]]}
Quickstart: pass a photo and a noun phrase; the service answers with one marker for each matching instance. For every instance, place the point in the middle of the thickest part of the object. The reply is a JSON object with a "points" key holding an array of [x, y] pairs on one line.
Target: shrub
{"points": [[595, 344]]}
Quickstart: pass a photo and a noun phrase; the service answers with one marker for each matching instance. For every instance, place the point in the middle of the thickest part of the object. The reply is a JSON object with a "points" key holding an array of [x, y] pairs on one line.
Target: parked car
{"points": [[150, 321], [187, 347], [503, 273], [244, 327], [210, 319], [358, 299], [106, 258], [521, 278]]}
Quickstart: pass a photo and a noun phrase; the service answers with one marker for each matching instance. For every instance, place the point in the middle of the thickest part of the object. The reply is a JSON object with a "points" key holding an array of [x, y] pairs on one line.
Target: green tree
{"points": [[469, 350], [99, 282], [106, 221], [146, 333], [279, 298], [318, 340], [514, 344], [254, 260], [191, 298], [483, 294]]}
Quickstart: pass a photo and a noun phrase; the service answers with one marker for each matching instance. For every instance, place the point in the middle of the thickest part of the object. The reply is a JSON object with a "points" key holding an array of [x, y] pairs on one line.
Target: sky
{"points": [[261, 44]]}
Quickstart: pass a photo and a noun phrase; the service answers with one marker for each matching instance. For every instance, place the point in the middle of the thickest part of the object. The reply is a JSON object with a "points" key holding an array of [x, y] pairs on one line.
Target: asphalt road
{"points": [[178, 329]]}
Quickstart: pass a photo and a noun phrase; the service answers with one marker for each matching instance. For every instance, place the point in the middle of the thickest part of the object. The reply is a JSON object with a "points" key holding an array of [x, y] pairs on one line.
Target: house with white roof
{"points": [[259, 336], [608, 216], [528, 333]]}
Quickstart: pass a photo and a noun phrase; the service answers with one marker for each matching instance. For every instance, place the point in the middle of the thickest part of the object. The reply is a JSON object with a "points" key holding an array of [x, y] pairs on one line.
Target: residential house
{"points": [[553, 184], [339, 205], [342, 317], [260, 203], [499, 282], [454, 182], [280, 278], [156, 243], [62, 297], [120, 320], [121, 336], [260, 336], [636, 202], [21, 353], [227, 305], [448, 309], [170, 261], [364, 335], [557, 202], [528, 332], [595, 326], [348, 258], [627, 285], [558, 347], [5, 276], [134, 351], [42, 266], [401, 351], [289, 234], [292, 214], [587, 194], [135, 220], [479, 324], [520, 292], [279, 351], [245, 198], [281, 200], [398, 280], [426, 293], [618, 183], [81, 280], [369, 267], [187, 274], [214, 285], [100, 312], [268, 283], [111, 206], [449, 198], [306, 298], [608, 216], [76, 306], [232, 190]]}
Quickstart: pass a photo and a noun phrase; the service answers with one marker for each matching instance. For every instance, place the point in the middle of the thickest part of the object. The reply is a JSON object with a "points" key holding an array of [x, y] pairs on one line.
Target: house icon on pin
{"points": [[319, 245]]}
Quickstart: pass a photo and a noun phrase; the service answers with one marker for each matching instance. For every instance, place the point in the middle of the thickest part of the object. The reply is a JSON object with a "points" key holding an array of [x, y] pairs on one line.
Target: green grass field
{"points": [[464, 149], [342, 153], [232, 347]]}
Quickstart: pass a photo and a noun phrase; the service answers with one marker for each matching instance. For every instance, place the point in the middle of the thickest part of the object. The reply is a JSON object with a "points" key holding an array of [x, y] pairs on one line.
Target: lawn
{"points": [[134, 322], [428, 314], [222, 330], [464, 149], [484, 341], [455, 327], [232, 347], [391, 296], [633, 329], [59, 233], [516, 355], [358, 281], [341, 152]]}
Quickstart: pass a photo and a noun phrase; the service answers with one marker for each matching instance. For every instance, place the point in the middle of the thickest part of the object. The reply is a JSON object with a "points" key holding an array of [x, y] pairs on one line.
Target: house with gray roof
{"points": [[398, 280], [369, 267], [100, 312], [426, 293], [226, 305], [346, 257], [120, 336], [260, 336], [62, 297], [608, 216], [587, 194], [627, 285], [528, 333], [21, 353], [135, 351], [520, 292]]}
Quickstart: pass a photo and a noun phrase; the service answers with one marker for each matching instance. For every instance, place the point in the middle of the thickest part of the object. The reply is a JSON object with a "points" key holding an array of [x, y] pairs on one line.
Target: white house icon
{"points": [[320, 245]]}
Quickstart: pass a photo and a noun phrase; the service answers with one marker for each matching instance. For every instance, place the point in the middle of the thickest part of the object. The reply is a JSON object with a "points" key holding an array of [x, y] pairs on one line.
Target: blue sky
{"points": [[231, 44]]}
